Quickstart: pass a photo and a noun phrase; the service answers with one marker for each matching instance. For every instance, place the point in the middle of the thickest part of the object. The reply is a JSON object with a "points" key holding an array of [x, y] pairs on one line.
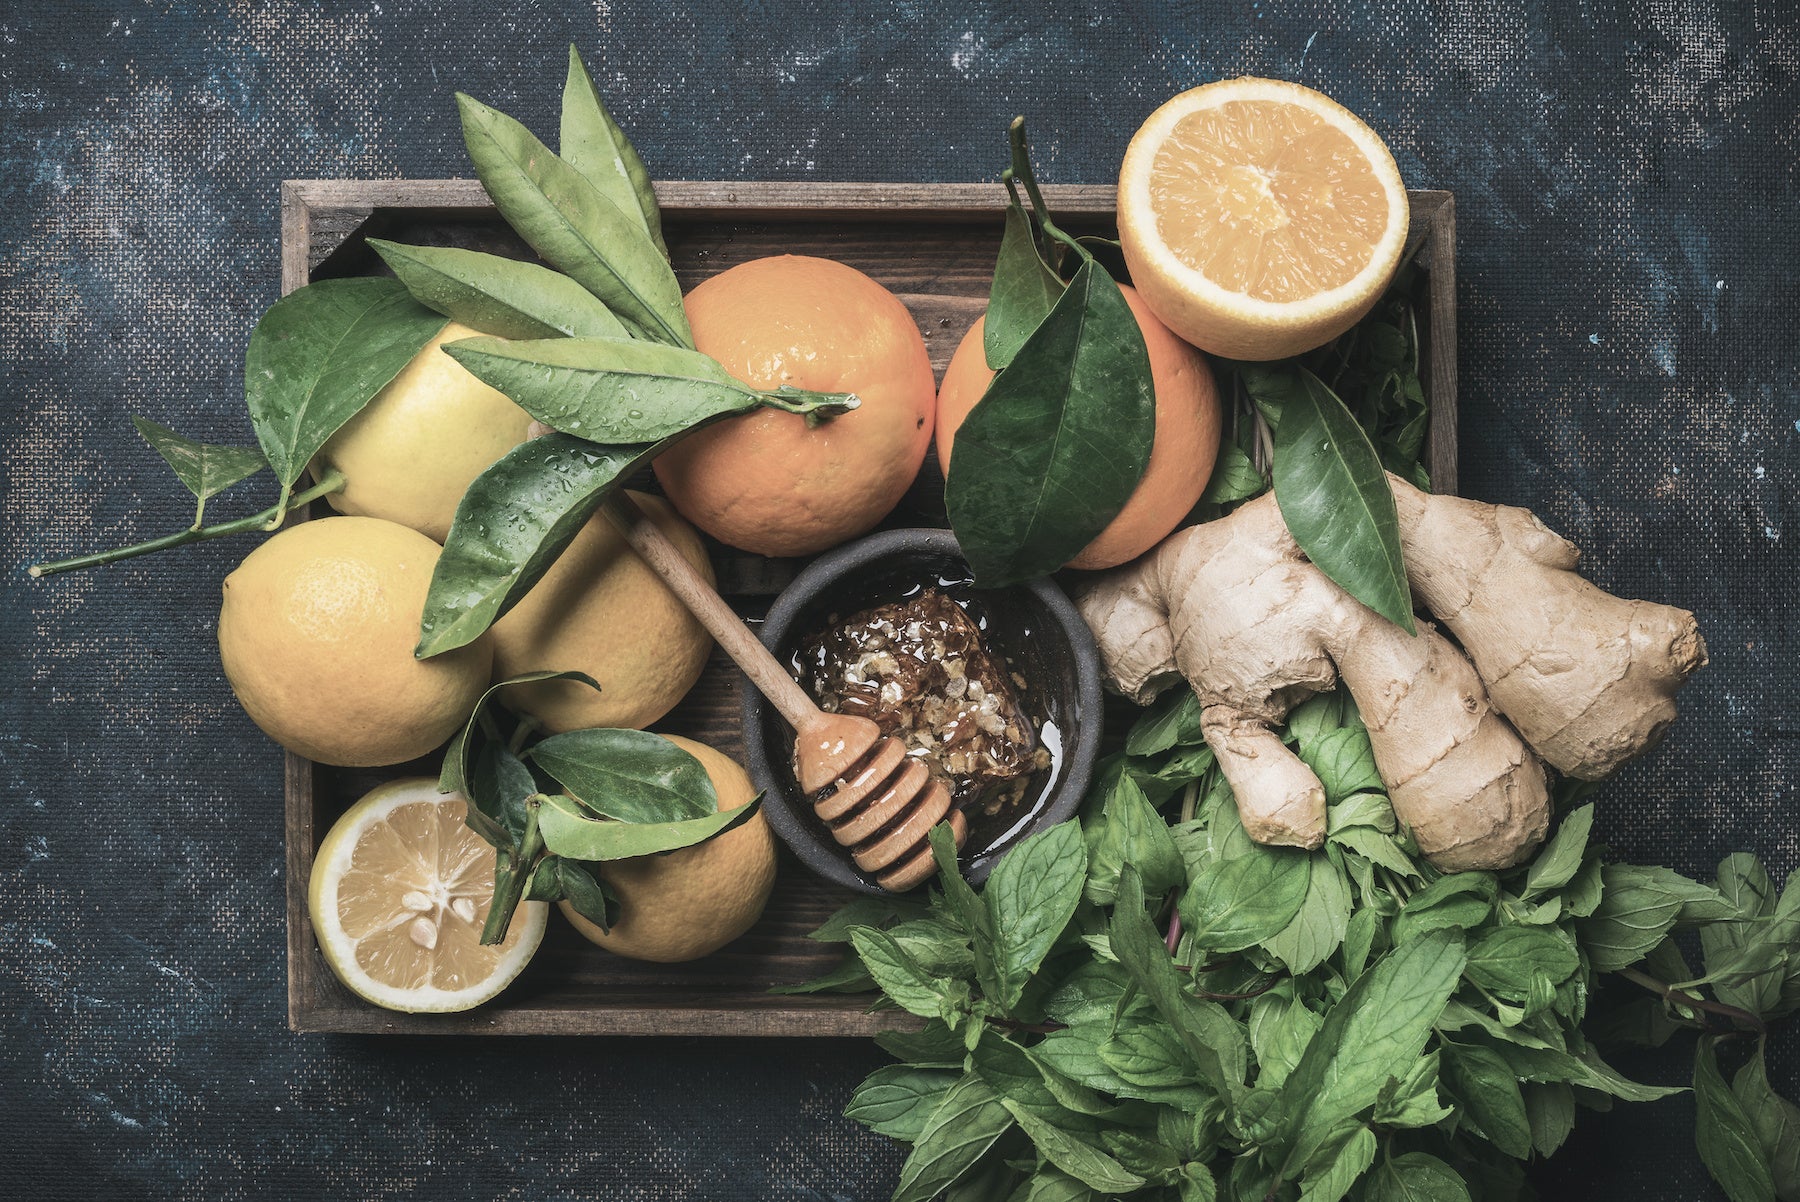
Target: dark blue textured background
{"points": [[1627, 197]]}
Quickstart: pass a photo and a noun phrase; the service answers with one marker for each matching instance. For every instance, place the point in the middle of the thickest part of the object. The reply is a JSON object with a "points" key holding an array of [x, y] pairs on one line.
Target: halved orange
{"points": [[1259, 218]]}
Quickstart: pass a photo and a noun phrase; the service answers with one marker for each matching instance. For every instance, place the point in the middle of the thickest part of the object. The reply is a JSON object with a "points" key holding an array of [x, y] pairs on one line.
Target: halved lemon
{"points": [[399, 892], [1259, 218]]}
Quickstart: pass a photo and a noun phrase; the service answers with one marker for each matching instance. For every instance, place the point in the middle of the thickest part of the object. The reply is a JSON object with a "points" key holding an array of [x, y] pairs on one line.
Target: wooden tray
{"points": [[934, 246]]}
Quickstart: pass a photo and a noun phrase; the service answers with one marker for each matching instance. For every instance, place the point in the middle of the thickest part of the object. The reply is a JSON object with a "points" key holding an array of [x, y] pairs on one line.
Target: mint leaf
{"points": [[967, 1122], [1081, 1161], [897, 1100], [1172, 720], [1729, 1146], [1558, 861], [903, 979], [1776, 1122], [1509, 960], [1375, 1032], [1246, 900], [1030, 898], [1319, 927], [1492, 1102], [1331, 1173], [1415, 1177]]}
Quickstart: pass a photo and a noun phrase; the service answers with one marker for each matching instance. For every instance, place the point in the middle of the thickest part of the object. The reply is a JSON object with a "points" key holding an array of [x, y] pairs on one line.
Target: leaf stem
{"points": [[1683, 998], [510, 879], [268, 519], [1021, 165], [815, 407], [524, 730]]}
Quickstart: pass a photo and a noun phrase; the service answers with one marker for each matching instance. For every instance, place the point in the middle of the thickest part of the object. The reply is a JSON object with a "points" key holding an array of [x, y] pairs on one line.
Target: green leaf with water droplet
{"points": [[206, 468], [613, 390], [514, 521], [319, 355]]}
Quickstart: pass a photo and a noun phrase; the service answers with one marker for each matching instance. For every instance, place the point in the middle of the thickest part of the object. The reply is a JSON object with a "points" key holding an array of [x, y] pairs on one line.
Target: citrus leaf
{"points": [[578, 229], [628, 775], [592, 143], [1059, 441], [1336, 501], [512, 523], [498, 296], [849, 976], [611, 390], [207, 469], [568, 831], [557, 878], [453, 777], [1022, 294], [319, 355], [501, 785]]}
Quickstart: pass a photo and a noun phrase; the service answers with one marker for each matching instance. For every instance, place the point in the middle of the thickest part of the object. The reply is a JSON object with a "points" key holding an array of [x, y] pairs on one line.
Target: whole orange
{"points": [[765, 481], [1181, 460]]}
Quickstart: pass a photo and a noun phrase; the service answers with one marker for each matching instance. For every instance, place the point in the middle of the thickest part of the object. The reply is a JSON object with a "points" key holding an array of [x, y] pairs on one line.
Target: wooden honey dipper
{"points": [[874, 798]]}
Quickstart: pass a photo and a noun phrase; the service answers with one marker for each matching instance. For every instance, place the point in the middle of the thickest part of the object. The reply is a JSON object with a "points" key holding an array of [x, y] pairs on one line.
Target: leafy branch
{"points": [[272, 516], [557, 808]]}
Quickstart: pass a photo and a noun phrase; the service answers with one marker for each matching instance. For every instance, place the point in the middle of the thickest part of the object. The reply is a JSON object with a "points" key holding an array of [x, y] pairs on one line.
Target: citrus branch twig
{"points": [[268, 519]]}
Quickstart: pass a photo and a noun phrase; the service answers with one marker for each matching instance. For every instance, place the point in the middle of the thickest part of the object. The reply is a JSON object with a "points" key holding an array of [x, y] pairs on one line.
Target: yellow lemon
{"points": [[691, 902], [601, 610], [317, 632], [413, 451], [399, 892]]}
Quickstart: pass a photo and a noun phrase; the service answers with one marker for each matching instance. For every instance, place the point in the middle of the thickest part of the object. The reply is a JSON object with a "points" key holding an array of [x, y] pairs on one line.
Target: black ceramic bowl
{"points": [[1034, 625]]}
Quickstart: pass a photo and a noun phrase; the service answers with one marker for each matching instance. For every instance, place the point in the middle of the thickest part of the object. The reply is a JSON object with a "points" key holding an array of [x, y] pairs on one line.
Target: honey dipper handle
{"points": [[667, 561]]}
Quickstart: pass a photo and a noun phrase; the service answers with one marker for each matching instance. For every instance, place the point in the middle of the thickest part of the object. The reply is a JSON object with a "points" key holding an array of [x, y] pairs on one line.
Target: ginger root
{"points": [[1234, 607]]}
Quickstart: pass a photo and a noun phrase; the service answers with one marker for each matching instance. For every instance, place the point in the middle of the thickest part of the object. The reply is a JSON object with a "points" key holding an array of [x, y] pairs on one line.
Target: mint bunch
{"points": [[1145, 1003]]}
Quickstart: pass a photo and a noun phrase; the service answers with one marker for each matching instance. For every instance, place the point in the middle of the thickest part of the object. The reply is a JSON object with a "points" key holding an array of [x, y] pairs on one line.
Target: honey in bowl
{"points": [[933, 667]]}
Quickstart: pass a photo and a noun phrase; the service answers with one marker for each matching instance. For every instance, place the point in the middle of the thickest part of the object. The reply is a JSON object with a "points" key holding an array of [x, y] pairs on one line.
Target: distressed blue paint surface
{"points": [[1630, 245]]}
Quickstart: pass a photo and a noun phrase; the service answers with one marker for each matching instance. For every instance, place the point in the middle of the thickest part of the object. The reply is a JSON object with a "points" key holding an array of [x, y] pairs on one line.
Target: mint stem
{"points": [[268, 519], [1682, 998]]}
